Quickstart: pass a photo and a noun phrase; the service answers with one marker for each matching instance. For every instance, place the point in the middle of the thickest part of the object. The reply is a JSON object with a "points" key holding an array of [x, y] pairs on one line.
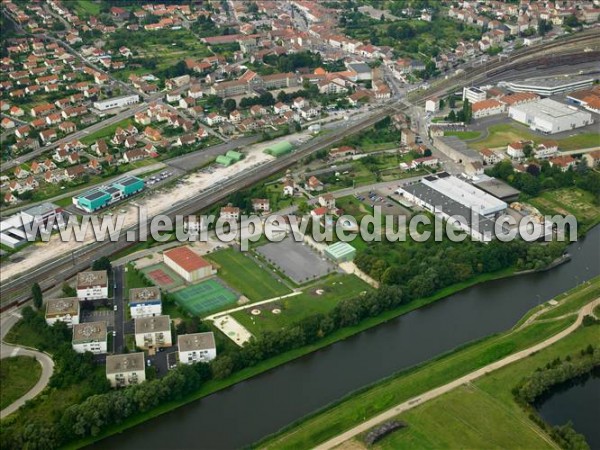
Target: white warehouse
{"points": [[550, 116], [116, 102]]}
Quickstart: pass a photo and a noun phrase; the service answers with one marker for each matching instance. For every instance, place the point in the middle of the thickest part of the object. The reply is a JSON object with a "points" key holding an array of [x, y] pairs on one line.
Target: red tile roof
{"points": [[187, 259]]}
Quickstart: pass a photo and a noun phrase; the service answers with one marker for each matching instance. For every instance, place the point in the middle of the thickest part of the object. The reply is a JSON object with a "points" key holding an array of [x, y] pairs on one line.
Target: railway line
{"points": [[53, 273]]}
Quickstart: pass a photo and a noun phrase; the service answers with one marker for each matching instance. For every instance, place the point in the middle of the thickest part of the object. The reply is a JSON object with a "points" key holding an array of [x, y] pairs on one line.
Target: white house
{"points": [[145, 302], [126, 369], [62, 310], [153, 332], [197, 347], [92, 285], [432, 105], [90, 337]]}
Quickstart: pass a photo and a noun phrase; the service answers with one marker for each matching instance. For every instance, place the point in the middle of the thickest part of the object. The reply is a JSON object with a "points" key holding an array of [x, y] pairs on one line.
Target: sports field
{"points": [[163, 277], [242, 273], [205, 297]]}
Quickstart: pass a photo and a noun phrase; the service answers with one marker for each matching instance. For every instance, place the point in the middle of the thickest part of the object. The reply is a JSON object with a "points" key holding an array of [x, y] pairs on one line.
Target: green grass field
{"points": [[367, 403], [17, 376], [106, 133], [502, 134], [243, 274], [566, 201], [465, 135], [84, 8], [202, 298], [298, 307], [133, 279], [485, 414]]}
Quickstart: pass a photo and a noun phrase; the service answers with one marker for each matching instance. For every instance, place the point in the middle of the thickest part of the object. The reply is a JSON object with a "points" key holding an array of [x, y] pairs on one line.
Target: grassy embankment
{"points": [[368, 402], [216, 385], [17, 376]]}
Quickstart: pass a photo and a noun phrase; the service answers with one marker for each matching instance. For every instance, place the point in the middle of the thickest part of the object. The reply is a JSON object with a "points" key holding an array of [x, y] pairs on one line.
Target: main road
{"points": [[433, 393]]}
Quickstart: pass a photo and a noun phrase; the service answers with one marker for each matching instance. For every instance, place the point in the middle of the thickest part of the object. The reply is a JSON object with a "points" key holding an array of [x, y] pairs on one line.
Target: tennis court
{"points": [[205, 297], [163, 276]]}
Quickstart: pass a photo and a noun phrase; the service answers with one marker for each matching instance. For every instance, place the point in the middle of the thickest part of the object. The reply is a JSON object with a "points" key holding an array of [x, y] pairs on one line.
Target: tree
{"points": [[36, 294], [229, 105], [68, 290], [528, 150], [102, 263]]}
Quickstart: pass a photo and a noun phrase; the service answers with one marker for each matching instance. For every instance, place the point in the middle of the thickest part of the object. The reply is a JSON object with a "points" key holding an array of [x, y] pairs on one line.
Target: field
{"points": [[574, 201], [106, 133], [85, 8], [243, 274], [204, 297], [412, 382], [17, 376], [465, 135], [502, 134], [485, 414], [163, 277], [318, 298]]}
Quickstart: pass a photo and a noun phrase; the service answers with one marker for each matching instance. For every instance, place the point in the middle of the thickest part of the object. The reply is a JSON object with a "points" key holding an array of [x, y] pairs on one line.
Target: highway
{"points": [[54, 272]]}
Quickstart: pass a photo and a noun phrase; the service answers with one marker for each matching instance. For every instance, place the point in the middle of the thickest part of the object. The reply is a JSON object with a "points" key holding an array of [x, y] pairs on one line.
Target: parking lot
{"points": [[99, 316], [387, 205], [296, 260]]}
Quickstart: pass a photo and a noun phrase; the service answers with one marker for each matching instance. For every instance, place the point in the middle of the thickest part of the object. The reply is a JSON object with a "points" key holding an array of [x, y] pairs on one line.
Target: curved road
{"points": [[429, 395], [7, 351]]}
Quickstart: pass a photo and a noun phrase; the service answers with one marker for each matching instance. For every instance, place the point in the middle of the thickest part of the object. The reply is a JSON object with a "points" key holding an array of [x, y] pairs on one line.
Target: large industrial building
{"points": [[145, 302], [279, 149], [188, 264], [448, 197], [19, 228], [547, 86], [116, 102], [550, 116], [456, 149], [123, 370], [197, 347], [473, 94], [90, 337], [102, 196]]}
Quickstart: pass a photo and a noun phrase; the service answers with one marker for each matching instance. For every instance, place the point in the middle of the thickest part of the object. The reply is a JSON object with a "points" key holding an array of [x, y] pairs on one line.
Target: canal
{"points": [[249, 411], [577, 401]]}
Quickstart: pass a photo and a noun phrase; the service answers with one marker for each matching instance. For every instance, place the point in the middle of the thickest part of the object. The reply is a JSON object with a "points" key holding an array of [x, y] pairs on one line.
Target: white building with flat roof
{"points": [[153, 332], [145, 302], [473, 94], [550, 116], [547, 86], [126, 369], [197, 347], [466, 194], [90, 337], [62, 310], [116, 102], [92, 285]]}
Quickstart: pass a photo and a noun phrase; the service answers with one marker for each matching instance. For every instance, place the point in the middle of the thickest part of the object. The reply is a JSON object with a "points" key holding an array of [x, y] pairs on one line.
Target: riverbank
{"points": [[214, 386], [403, 386]]}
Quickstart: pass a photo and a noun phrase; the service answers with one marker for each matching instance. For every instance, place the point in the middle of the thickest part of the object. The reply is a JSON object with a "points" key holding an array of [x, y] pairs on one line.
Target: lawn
{"points": [[243, 274], [318, 298], [566, 201], [106, 132], [407, 384], [465, 135], [133, 279], [485, 414], [84, 8], [502, 134], [17, 376]]}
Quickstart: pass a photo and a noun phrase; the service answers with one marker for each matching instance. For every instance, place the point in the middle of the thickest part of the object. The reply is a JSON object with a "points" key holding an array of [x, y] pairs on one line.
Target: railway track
{"points": [[16, 291]]}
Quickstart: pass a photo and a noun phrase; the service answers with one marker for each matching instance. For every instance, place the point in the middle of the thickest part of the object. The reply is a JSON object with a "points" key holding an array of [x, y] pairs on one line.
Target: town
{"points": [[470, 113]]}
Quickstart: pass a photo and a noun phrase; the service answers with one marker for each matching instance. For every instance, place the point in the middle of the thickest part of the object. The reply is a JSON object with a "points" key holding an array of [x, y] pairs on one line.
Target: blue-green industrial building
{"points": [[102, 196]]}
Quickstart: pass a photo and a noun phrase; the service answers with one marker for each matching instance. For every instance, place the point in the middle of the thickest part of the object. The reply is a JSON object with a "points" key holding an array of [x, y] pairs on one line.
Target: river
{"points": [[248, 411], [577, 401]]}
